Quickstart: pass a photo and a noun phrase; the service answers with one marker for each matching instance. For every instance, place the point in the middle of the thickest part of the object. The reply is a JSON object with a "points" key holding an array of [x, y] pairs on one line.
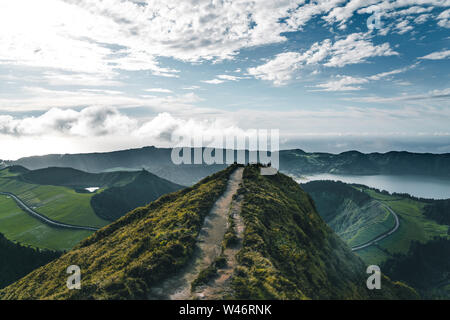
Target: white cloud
{"points": [[422, 18], [191, 88], [213, 81], [130, 35], [344, 83], [403, 26], [229, 77], [355, 48], [438, 94], [91, 121], [439, 55], [444, 19], [278, 70], [158, 90], [381, 75], [37, 98]]}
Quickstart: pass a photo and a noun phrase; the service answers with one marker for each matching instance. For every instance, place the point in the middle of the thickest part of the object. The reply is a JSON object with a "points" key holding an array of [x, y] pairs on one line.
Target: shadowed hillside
{"points": [[17, 260], [114, 202]]}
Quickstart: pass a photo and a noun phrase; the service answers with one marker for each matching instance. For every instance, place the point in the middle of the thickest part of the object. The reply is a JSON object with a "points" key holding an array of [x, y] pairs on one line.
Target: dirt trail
{"points": [[209, 246], [220, 287]]}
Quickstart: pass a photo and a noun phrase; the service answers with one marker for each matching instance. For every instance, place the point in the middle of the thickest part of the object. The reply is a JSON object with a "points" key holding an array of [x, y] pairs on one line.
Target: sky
{"points": [[334, 75]]}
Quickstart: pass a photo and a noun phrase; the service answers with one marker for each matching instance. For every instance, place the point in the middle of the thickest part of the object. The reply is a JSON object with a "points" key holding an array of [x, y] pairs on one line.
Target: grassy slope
{"points": [[414, 226], [377, 221], [18, 226], [353, 215], [290, 253], [58, 203], [17, 260], [116, 201], [123, 259]]}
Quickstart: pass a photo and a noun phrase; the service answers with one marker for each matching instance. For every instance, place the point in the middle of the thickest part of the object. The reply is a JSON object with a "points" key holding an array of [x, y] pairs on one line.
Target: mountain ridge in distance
{"points": [[288, 252], [295, 161]]}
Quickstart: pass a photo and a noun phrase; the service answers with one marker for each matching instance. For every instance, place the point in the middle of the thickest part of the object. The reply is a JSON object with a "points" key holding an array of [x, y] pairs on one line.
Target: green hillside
{"points": [[59, 203], [70, 177], [18, 226], [358, 214], [290, 253], [416, 253], [415, 225], [114, 202], [353, 215], [17, 260], [59, 194], [426, 266], [127, 257], [287, 251]]}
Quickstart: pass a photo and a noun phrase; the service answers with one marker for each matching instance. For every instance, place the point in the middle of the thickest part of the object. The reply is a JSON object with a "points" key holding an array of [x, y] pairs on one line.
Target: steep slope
{"points": [[426, 266], [126, 258], [287, 252], [351, 213], [116, 201], [17, 260], [290, 253]]}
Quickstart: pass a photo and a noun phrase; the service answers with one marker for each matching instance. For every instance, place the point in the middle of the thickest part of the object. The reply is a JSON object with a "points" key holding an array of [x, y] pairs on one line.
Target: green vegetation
{"points": [[62, 204], [122, 260], [17, 260], [114, 202], [439, 211], [355, 216], [230, 238], [290, 253], [414, 226], [18, 226], [209, 273], [59, 194], [426, 267]]}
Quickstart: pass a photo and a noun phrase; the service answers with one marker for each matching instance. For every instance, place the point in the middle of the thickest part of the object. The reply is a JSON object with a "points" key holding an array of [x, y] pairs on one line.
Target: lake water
{"points": [[415, 185]]}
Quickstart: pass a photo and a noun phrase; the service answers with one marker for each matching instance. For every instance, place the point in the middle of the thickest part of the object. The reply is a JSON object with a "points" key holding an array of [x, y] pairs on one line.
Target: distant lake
{"points": [[415, 185]]}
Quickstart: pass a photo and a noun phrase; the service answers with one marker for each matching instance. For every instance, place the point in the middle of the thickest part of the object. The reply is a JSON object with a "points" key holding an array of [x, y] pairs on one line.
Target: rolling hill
{"points": [[283, 249]]}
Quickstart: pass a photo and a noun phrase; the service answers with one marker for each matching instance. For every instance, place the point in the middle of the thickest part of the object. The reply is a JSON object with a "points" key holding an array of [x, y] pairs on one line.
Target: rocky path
{"points": [[209, 245]]}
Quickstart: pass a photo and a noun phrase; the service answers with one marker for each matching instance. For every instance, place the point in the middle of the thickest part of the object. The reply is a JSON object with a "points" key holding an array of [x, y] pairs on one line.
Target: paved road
{"points": [[384, 235], [43, 218]]}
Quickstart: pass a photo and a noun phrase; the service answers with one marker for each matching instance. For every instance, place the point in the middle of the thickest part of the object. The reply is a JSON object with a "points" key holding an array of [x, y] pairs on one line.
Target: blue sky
{"points": [[85, 75]]}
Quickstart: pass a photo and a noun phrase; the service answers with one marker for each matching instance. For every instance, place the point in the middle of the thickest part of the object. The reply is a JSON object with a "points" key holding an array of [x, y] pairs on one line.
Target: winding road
{"points": [[384, 235], [43, 218]]}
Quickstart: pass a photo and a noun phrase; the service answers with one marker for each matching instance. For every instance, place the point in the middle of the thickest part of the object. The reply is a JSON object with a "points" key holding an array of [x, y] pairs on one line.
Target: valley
{"points": [[51, 208]]}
